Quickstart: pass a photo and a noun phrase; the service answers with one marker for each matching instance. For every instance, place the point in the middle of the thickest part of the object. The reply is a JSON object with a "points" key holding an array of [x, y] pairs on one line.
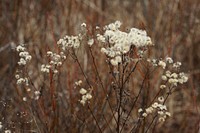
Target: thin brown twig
{"points": [[95, 119], [104, 90]]}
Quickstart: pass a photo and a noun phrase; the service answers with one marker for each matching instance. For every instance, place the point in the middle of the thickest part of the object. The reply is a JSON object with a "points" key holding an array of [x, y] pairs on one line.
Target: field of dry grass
{"points": [[174, 28]]}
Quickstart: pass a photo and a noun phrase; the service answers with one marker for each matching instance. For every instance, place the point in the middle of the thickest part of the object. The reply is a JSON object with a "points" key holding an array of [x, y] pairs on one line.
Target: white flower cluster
{"points": [[90, 42], [158, 108], [119, 42], [36, 95], [177, 64], [174, 78], [161, 63], [55, 61], [24, 58], [70, 42], [23, 54], [85, 96], [21, 80]]}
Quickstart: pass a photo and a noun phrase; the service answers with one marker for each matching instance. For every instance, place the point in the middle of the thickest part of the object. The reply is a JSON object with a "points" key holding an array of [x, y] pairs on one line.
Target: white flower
{"points": [[26, 81], [24, 99], [20, 81], [97, 27], [180, 81], [168, 114], [177, 64], [22, 61], [28, 58], [88, 96], [82, 102], [174, 75], [184, 78], [82, 91], [140, 110], [161, 119], [173, 81], [103, 50], [149, 110], [125, 49], [164, 77], [20, 48], [162, 107], [84, 97], [118, 24], [83, 25], [37, 92], [160, 112], [169, 60], [23, 54], [91, 42], [114, 62], [17, 76], [168, 73], [112, 27], [118, 59], [162, 86], [162, 64], [28, 89], [49, 53], [45, 68], [161, 99], [144, 114], [155, 105], [78, 83], [101, 38]]}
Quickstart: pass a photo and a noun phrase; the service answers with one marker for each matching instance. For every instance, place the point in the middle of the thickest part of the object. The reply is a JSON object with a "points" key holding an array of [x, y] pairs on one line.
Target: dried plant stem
{"points": [[35, 121], [133, 69], [95, 119], [151, 123], [133, 105], [53, 103], [108, 124], [79, 64], [104, 90]]}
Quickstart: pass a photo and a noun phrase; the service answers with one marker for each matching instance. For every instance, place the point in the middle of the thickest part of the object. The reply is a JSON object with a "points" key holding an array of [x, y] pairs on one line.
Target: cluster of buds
{"points": [[24, 58], [157, 107], [55, 61], [85, 96], [70, 42], [174, 78], [21, 80], [23, 54]]}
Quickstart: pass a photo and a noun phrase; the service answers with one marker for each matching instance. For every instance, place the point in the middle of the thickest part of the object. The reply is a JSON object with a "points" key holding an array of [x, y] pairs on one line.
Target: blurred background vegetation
{"points": [[173, 25]]}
